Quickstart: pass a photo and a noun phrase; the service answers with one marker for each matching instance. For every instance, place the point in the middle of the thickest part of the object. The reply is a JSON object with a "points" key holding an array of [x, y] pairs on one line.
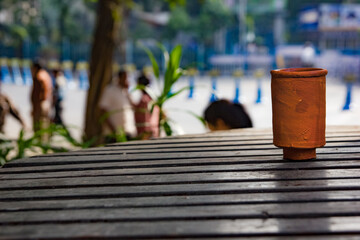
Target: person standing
{"points": [[41, 96], [116, 108], [58, 96], [147, 121], [7, 107]]}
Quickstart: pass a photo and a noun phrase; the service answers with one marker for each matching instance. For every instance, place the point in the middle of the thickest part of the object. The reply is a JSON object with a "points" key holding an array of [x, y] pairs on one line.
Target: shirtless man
{"points": [[41, 96]]}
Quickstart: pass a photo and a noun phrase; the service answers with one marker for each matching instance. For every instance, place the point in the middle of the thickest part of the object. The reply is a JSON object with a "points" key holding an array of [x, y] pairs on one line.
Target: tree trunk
{"points": [[100, 64]]}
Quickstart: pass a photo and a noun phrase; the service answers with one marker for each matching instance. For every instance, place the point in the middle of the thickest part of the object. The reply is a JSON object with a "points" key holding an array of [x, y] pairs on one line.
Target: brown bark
{"points": [[100, 64]]}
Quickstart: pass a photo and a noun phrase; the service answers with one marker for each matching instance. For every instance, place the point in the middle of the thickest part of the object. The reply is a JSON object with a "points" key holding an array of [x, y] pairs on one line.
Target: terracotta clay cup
{"points": [[298, 107]]}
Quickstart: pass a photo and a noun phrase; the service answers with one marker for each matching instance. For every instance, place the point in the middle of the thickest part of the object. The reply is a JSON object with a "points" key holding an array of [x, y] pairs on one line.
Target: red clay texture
{"points": [[299, 109]]}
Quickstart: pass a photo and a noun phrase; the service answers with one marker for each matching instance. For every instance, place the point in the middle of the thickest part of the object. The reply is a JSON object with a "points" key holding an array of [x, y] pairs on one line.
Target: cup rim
{"points": [[299, 72]]}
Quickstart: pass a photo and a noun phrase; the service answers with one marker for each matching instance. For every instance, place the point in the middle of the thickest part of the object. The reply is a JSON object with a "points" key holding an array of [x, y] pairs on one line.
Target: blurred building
{"points": [[332, 26]]}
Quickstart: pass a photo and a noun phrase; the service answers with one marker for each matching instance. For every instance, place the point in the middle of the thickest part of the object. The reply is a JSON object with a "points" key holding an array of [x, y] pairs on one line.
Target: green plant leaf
{"points": [[2, 161], [177, 74], [152, 59], [177, 92], [146, 89], [165, 52], [167, 82], [167, 128], [172, 73], [200, 118], [175, 57]]}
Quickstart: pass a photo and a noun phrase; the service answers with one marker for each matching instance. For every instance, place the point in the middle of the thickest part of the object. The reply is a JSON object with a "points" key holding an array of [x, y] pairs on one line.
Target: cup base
{"points": [[299, 153]]}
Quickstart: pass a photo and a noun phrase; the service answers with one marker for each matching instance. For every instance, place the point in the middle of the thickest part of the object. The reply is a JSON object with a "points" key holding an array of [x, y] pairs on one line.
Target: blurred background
{"points": [[230, 45]]}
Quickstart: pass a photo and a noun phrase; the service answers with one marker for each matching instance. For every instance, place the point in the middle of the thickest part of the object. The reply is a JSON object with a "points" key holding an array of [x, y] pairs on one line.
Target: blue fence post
{"points": [[348, 96], [237, 75], [82, 68], [27, 77], [191, 87], [349, 79], [214, 74], [5, 73], [258, 74], [17, 78], [68, 73], [191, 73]]}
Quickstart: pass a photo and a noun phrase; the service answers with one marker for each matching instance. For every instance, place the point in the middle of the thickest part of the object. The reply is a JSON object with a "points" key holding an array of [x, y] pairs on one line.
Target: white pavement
{"points": [[177, 108]]}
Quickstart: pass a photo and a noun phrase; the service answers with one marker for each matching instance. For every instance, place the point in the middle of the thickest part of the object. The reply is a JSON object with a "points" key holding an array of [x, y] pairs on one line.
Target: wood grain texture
{"points": [[184, 229], [221, 185]]}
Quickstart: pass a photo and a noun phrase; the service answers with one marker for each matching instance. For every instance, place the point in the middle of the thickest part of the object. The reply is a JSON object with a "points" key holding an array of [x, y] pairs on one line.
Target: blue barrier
{"points": [[191, 87], [349, 87], [237, 91], [68, 75], [5, 74], [213, 97], [259, 91], [83, 79], [17, 78], [27, 77]]}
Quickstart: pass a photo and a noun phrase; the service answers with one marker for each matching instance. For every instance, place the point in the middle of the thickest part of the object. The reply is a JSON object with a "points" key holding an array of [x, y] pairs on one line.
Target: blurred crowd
{"points": [[121, 117]]}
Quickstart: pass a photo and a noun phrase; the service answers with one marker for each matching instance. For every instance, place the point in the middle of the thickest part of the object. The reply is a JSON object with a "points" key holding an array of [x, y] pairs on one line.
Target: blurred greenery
{"points": [[47, 22], [50, 22], [172, 73], [60, 141]]}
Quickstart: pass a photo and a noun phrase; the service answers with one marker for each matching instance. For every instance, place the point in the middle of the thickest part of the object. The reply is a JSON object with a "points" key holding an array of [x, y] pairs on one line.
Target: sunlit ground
{"points": [[177, 108]]}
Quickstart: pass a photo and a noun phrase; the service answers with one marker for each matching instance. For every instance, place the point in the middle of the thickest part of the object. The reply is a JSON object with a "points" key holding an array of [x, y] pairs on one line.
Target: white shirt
{"points": [[115, 101]]}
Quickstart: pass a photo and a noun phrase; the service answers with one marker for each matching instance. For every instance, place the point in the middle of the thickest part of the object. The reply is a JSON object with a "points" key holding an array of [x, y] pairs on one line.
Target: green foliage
{"points": [[213, 16], [119, 136], [5, 147], [179, 21], [155, 65], [20, 147], [48, 21], [172, 74], [174, 3], [141, 30], [200, 19]]}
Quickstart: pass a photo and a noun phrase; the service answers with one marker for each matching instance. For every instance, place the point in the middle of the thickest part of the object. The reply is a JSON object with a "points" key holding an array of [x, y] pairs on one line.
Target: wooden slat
{"points": [[190, 228], [224, 177], [240, 134], [180, 200], [207, 149], [182, 189], [214, 139], [240, 150], [353, 141], [344, 141], [219, 185], [244, 211], [78, 157], [175, 167]]}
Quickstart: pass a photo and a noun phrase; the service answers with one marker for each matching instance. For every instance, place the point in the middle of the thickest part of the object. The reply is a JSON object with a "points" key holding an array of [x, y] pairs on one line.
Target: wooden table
{"points": [[216, 185]]}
